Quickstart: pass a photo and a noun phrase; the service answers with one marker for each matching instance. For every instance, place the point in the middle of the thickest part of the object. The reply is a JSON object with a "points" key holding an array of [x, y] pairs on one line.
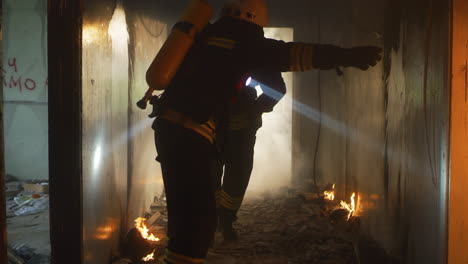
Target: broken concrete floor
{"points": [[287, 229], [28, 236]]}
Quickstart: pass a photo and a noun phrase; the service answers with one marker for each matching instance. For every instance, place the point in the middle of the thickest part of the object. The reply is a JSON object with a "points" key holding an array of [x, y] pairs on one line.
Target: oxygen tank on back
{"points": [[170, 56], [172, 53]]}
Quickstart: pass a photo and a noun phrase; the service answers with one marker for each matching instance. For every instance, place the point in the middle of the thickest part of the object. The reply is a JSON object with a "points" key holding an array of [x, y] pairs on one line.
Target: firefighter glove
{"points": [[362, 57]]}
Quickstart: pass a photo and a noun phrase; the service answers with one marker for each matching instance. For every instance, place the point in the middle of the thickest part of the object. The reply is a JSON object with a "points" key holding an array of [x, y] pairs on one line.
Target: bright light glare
{"points": [[90, 34], [249, 80], [336, 126], [318, 116], [118, 26], [97, 157], [259, 90], [101, 151]]}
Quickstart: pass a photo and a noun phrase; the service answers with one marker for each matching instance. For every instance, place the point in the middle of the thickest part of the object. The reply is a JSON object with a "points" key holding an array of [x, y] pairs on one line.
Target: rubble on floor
{"points": [[27, 204], [289, 228], [26, 255], [26, 197], [297, 229]]}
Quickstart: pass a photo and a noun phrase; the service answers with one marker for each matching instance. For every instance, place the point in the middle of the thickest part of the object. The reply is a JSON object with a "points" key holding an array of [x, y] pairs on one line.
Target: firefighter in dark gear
{"points": [[237, 141], [211, 73]]}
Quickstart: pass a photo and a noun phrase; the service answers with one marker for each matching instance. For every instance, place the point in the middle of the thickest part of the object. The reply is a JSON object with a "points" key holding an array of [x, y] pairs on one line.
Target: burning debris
{"points": [[291, 228], [144, 231], [288, 228], [149, 257], [330, 195], [351, 208], [145, 243], [345, 210], [139, 249]]}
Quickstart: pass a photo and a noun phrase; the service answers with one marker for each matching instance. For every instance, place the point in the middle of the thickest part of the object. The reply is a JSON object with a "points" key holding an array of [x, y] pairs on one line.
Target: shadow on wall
{"points": [[391, 143]]}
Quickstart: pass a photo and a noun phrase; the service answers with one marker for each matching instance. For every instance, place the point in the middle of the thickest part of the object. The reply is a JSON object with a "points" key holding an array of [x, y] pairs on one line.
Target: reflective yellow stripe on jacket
{"points": [[301, 57], [221, 42]]}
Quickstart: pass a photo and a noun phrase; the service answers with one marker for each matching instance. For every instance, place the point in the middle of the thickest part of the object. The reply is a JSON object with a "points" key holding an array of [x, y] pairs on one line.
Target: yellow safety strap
{"points": [[207, 130]]}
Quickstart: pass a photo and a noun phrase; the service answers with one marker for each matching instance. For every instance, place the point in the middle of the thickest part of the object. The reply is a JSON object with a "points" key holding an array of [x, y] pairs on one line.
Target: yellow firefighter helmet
{"points": [[254, 11]]}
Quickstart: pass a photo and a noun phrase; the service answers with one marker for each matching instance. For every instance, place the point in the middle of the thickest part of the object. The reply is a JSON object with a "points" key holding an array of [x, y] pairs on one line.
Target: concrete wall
{"points": [[104, 129], [147, 34], [382, 133], [24, 77], [120, 174]]}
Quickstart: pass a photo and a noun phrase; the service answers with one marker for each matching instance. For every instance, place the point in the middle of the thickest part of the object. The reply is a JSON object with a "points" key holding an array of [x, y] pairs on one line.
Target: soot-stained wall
{"points": [[382, 132], [104, 129], [120, 174], [147, 34]]}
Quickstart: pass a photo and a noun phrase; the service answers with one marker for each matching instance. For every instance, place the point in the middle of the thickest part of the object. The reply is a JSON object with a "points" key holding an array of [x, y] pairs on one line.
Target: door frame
{"points": [[65, 147], [458, 201], [3, 227]]}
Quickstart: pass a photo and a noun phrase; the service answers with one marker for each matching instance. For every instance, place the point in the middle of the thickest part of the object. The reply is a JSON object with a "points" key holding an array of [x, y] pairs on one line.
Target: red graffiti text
{"points": [[12, 79]]}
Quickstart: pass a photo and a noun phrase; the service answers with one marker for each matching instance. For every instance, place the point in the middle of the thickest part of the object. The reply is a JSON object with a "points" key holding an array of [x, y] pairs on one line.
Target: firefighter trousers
{"points": [[187, 166], [237, 154]]}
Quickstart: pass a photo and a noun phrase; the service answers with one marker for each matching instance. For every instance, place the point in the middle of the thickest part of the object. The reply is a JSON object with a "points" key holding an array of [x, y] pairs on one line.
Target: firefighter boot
{"points": [[226, 219]]}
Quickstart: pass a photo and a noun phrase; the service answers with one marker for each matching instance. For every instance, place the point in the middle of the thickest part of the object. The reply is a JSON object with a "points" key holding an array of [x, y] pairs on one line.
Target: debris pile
{"points": [[288, 228], [299, 228], [26, 255], [26, 204], [26, 197], [145, 243]]}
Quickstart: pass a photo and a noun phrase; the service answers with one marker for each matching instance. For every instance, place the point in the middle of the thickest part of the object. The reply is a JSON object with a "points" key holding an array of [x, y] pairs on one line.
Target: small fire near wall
{"points": [[141, 246]]}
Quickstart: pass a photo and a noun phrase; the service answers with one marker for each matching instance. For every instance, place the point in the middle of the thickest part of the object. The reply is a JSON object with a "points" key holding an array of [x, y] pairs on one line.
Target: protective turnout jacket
{"points": [[245, 112], [216, 68]]}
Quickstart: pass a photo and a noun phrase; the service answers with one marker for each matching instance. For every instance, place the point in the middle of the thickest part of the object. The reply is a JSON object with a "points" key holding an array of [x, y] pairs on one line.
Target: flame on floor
{"points": [[144, 231], [330, 195], [351, 207], [149, 257]]}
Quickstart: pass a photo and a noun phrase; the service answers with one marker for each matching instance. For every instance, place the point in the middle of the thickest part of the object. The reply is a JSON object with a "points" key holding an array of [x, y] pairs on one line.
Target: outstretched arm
{"points": [[325, 57], [298, 56]]}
